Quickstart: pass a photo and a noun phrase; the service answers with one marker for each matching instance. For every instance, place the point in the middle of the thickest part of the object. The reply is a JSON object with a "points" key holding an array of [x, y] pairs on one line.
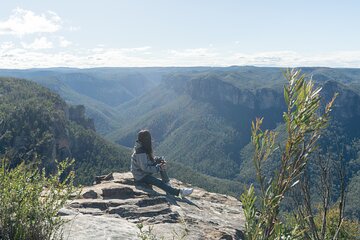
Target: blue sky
{"points": [[124, 33]]}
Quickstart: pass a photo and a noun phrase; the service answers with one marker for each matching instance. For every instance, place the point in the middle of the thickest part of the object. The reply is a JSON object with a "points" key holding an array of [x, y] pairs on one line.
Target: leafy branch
{"points": [[303, 127]]}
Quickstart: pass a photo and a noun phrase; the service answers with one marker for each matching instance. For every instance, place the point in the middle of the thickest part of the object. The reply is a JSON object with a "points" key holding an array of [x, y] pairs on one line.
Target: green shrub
{"points": [[349, 229], [30, 201], [303, 128]]}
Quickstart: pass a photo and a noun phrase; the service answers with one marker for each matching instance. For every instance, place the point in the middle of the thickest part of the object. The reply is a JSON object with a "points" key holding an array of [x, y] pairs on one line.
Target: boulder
{"points": [[90, 194]]}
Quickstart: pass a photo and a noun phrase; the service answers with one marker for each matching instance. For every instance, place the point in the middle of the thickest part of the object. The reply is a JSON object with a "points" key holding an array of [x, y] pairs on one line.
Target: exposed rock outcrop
{"points": [[112, 209], [213, 89], [77, 114]]}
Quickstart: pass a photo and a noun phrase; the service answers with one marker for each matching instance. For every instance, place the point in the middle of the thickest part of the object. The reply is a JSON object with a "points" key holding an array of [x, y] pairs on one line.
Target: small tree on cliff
{"points": [[303, 127]]}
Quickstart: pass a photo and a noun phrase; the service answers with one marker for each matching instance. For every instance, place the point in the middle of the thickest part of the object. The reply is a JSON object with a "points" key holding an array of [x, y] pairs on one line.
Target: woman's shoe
{"points": [[185, 192]]}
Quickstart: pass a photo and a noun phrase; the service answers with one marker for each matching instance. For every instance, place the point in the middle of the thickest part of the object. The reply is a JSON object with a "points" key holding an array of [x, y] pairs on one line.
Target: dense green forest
{"points": [[37, 124]]}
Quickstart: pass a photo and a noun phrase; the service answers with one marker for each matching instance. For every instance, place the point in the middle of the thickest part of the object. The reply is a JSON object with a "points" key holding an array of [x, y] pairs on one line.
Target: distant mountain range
{"points": [[101, 90], [200, 117]]}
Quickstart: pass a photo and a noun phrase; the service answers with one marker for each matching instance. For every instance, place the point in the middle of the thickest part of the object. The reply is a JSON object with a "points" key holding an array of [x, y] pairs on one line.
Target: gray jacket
{"points": [[141, 165]]}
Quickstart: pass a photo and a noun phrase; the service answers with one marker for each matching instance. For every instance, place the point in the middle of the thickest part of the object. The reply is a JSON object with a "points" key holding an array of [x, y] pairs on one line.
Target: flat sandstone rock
{"points": [[112, 208]]}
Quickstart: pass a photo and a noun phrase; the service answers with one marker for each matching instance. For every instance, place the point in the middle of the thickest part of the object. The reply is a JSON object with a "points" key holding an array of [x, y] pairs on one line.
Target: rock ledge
{"points": [[112, 208]]}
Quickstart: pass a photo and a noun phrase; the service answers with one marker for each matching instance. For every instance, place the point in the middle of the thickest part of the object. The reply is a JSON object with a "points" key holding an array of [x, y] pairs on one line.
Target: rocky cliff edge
{"points": [[114, 207]]}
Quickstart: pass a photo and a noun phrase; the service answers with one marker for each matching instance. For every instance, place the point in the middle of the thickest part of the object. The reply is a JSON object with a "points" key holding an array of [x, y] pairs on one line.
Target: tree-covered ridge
{"points": [[36, 122], [99, 89], [212, 110], [106, 92], [32, 118]]}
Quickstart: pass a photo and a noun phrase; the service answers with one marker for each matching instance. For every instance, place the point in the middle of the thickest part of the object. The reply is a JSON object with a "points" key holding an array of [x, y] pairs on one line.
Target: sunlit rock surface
{"points": [[112, 208]]}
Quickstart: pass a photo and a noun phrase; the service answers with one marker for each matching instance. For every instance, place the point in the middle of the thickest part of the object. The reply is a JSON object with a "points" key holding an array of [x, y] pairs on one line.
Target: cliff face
{"points": [[112, 209], [346, 110], [269, 102], [213, 89], [216, 90]]}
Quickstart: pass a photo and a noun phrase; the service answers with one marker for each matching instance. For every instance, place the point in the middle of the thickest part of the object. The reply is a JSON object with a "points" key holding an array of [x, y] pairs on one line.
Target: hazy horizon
{"points": [[163, 33], [140, 67]]}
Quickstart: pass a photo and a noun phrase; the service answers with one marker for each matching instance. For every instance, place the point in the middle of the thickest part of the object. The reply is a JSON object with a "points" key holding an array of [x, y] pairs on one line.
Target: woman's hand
{"points": [[163, 166]]}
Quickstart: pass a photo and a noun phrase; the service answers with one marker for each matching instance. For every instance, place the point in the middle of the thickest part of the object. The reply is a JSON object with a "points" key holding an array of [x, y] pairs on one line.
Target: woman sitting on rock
{"points": [[144, 164]]}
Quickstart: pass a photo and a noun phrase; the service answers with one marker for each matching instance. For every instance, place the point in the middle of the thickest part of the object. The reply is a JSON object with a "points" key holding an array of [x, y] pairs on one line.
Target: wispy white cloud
{"points": [[136, 49], [38, 43], [295, 59], [63, 42], [23, 21], [193, 52], [7, 45], [12, 56], [193, 57], [73, 28]]}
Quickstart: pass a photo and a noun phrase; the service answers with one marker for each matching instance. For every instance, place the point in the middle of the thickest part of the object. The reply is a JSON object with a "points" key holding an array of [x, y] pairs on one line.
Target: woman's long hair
{"points": [[144, 137]]}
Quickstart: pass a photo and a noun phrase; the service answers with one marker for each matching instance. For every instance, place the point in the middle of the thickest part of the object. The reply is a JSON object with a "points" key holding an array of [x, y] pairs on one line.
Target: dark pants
{"points": [[149, 179], [164, 177]]}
